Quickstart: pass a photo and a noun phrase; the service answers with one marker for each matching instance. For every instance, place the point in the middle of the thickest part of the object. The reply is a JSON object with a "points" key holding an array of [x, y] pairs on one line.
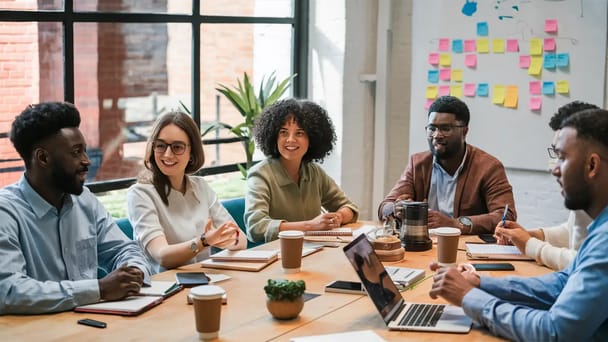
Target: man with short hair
{"points": [[565, 305], [54, 233], [464, 186]]}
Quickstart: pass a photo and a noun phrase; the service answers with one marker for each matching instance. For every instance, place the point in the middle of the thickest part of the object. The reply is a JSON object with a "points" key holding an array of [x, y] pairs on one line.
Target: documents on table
{"points": [[488, 251]]}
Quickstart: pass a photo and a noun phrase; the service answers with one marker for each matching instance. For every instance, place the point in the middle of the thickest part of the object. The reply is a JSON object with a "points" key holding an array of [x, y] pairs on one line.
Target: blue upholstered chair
{"points": [[236, 208], [125, 226]]}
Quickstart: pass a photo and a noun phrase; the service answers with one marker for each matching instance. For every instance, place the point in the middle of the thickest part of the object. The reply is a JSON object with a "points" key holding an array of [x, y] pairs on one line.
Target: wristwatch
{"points": [[466, 224], [194, 246], [204, 240]]}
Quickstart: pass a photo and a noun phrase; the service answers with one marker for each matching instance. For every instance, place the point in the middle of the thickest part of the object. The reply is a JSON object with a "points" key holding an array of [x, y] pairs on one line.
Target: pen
{"points": [[504, 215]]}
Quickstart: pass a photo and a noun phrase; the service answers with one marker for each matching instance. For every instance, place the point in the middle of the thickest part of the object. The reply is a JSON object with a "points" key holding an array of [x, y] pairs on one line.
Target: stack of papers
{"points": [[252, 260], [405, 276], [489, 251]]}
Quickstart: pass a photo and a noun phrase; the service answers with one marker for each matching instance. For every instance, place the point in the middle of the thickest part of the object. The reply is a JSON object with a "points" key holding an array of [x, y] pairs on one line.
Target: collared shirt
{"points": [[49, 258], [273, 197], [562, 306], [443, 187]]}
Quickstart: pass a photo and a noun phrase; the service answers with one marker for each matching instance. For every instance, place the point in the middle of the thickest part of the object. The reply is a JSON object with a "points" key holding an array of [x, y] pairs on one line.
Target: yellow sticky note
{"points": [[536, 47], [498, 45], [563, 87], [457, 75], [483, 46], [498, 94], [456, 90], [445, 59], [511, 97], [431, 92], [536, 65]]}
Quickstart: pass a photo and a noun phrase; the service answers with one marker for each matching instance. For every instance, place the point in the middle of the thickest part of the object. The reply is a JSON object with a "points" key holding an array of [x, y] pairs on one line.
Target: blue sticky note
{"points": [[457, 45], [548, 88], [563, 59], [482, 89], [549, 61], [433, 76], [482, 29]]}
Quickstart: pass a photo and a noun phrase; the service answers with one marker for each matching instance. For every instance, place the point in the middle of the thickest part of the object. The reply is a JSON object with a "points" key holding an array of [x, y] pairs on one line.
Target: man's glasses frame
{"points": [[553, 153], [177, 147], [445, 130]]}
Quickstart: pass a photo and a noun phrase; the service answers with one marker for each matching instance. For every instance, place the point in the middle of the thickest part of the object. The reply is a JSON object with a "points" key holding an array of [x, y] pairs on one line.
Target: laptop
{"points": [[396, 313]]}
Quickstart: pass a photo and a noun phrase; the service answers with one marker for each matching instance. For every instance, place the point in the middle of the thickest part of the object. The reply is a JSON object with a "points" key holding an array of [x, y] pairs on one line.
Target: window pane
{"points": [[124, 79], [25, 5], [135, 6], [248, 8], [259, 50], [31, 71]]}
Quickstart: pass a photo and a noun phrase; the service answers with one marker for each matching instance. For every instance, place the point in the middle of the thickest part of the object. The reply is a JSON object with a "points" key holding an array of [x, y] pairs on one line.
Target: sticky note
{"points": [[563, 87], [562, 60], [444, 90], [457, 46], [536, 64], [457, 75], [512, 45], [470, 45], [433, 76], [445, 59], [549, 61], [535, 88], [551, 25], [511, 96], [548, 88], [536, 47], [433, 58], [470, 60], [428, 103], [469, 89], [482, 89], [549, 44], [456, 90], [535, 103], [445, 74], [483, 45], [444, 44], [498, 45], [431, 92], [482, 29], [498, 94], [524, 61]]}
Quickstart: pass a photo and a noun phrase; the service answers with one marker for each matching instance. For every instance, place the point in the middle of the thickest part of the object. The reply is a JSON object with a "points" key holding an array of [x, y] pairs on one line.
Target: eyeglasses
{"points": [[553, 154], [445, 130], [178, 147]]}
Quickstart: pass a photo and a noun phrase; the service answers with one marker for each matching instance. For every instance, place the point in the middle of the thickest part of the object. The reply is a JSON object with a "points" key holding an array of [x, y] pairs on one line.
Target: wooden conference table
{"points": [[245, 317]]}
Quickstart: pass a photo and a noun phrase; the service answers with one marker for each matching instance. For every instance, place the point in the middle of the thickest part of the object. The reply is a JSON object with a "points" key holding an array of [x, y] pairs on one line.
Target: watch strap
{"points": [[204, 240]]}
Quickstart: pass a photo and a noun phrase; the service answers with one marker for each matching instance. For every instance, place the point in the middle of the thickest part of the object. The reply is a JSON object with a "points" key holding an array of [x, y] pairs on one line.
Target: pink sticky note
{"points": [[428, 103], [444, 44], [469, 89], [444, 90], [470, 45], [433, 58], [524, 61], [535, 87], [470, 60], [551, 25], [445, 74], [549, 44], [535, 103], [512, 45]]}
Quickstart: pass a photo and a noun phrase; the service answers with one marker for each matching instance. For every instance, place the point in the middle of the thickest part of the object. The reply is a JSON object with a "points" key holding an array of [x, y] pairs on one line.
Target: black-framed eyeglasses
{"points": [[553, 154], [445, 130], [178, 147]]}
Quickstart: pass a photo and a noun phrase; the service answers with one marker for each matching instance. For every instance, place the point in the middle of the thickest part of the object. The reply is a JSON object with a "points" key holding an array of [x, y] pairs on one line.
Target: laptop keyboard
{"points": [[422, 315]]}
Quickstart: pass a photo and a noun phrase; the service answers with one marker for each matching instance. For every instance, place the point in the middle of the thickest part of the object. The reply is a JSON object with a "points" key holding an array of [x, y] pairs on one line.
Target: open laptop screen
{"points": [[378, 284]]}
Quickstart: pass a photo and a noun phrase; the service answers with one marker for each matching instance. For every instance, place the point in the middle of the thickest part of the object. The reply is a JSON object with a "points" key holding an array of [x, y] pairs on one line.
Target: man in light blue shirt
{"points": [[54, 233], [561, 306]]}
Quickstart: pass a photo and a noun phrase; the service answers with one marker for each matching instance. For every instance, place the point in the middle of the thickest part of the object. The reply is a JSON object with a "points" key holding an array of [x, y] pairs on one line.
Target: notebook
{"points": [[237, 265], [405, 276], [130, 306], [160, 288], [396, 313], [351, 336], [254, 255], [342, 234], [488, 251]]}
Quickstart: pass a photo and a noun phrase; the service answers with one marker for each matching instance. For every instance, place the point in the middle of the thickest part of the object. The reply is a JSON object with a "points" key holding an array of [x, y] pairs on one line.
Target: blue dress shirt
{"points": [[569, 305], [49, 258]]}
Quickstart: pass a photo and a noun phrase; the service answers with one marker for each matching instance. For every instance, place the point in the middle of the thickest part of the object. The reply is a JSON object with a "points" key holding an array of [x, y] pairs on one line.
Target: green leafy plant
{"points": [[283, 289]]}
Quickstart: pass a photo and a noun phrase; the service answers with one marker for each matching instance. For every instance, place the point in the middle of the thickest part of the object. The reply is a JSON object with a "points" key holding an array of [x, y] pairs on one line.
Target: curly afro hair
{"points": [[568, 110], [311, 117]]}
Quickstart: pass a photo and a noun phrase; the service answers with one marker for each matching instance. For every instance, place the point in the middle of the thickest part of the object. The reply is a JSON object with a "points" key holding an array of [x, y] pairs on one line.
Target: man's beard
{"points": [[580, 200], [67, 182]]}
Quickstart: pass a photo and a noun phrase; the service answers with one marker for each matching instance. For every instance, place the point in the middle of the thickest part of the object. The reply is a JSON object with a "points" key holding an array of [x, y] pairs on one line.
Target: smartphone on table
{"points": [[498, 266], [342, 286]]}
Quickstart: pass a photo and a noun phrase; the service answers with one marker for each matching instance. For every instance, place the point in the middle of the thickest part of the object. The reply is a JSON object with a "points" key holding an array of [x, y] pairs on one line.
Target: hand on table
{"points": [[439, 219], [326, 221], [453, 283], [122, 282]]}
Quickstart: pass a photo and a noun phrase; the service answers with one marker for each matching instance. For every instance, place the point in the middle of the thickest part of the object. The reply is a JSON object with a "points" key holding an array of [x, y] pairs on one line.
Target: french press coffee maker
{"points": [[412, 222]]}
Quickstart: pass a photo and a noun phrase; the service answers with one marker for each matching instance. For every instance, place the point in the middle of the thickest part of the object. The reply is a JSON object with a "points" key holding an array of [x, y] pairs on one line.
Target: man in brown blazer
{"points": [[464, 186]]}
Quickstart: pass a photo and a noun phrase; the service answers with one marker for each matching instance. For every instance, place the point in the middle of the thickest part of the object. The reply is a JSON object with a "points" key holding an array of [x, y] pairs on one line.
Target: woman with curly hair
{"points": [[288, 191]]}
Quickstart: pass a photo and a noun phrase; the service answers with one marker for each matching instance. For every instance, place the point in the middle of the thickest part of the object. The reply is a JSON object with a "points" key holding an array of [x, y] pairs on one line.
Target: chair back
{"points": [[236, 209], [126, 227]]}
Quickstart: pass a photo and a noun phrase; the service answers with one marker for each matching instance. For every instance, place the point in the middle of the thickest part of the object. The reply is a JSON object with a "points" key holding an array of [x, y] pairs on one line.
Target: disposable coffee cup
{"points": [[291, 250], [447, 245], [207, 301]]}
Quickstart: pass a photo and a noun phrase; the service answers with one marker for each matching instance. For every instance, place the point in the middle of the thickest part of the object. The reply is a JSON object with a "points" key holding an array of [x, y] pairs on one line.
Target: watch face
{"points": [[194, 246], [466, 221]]}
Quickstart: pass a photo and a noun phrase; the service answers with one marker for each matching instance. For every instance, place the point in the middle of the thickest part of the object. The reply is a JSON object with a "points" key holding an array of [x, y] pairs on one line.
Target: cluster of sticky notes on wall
{"points": [[447, 79]]}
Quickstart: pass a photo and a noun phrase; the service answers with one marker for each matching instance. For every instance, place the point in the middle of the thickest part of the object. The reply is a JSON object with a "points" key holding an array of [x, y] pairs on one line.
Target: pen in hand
{"points": [[504, 215]]}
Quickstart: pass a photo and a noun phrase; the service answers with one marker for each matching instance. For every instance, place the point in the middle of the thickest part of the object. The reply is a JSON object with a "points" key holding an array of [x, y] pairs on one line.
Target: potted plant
{"points": [[284, 297]]}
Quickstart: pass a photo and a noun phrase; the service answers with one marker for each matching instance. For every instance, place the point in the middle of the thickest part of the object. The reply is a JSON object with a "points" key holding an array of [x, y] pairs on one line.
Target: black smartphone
{"points": [[487, 238], [343, 286], [189, 279], [502, 266], [92, 323]]}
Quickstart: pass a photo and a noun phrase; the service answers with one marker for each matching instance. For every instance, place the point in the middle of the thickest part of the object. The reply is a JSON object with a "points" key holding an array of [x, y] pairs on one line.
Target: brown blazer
{"points": [[481, 192]]}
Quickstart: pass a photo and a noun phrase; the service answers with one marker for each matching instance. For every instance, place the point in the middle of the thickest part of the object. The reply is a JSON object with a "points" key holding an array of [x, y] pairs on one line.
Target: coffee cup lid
{"points": [[447, 231], [291, 234], [207, 292]]}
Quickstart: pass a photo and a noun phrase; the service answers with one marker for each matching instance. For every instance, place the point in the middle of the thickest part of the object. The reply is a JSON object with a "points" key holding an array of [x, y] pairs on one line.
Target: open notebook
{"points": [[488, 251]]}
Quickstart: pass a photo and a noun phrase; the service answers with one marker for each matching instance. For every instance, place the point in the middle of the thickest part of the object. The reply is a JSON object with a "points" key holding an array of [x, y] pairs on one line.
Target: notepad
{"points": [[160, 288], [489, 251], [237, 265], [351, 336], [131, 306], [342, 231], [341, 235], [253, 255], [405, 276]]}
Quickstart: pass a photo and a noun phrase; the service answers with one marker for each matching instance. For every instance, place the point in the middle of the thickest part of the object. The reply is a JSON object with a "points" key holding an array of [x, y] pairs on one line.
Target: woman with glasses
{"points": [[176, 216]]}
